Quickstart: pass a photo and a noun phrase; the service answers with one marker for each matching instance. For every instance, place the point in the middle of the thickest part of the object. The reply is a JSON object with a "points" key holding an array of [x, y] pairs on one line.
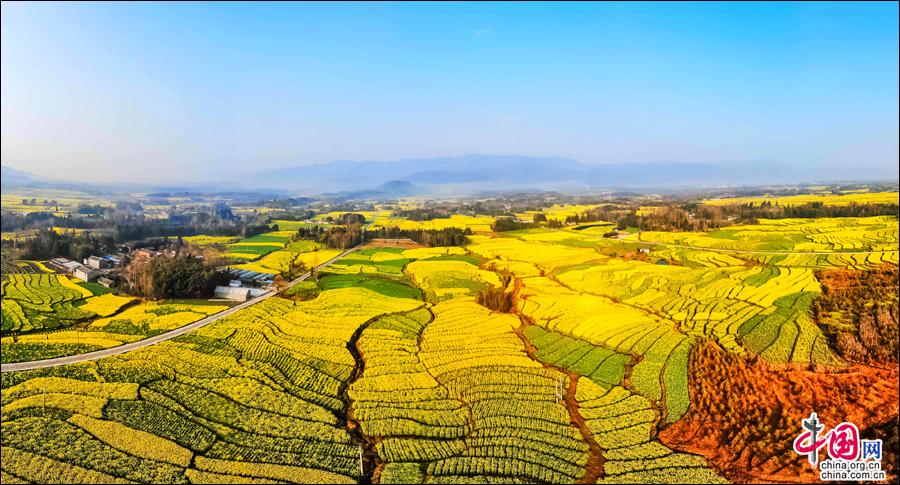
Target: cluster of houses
{"points": [[105, 270], [102, 269]]}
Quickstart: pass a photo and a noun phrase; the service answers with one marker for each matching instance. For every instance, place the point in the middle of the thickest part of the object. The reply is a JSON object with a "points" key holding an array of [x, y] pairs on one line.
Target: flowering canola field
{"points": [[50, 315], [825, 199], [391, 372]]}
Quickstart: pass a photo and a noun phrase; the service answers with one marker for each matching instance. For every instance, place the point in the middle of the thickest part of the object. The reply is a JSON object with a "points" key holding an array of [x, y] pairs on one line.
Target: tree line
{"points": [[448, 236], [696, 216], [48, 244], [102, 235], [345, 237], [180, 276]]}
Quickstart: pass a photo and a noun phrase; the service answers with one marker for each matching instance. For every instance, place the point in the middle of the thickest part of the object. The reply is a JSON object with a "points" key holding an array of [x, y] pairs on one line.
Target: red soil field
{"points": [[393, 243], [745, 413]]}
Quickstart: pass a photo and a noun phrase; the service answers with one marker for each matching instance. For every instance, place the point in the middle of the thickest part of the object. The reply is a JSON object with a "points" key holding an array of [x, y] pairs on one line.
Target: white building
{"points": [[96, 262], [232, 293], [84, 273], [71, 266]]}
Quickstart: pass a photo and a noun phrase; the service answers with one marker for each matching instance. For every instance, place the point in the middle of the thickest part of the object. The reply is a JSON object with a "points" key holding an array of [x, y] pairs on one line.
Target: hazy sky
{"points": [[176, 92]]}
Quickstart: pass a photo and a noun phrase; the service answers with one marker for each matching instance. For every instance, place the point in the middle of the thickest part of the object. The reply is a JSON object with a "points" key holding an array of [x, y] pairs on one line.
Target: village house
{"points": [[97, 262], [85, 273]]}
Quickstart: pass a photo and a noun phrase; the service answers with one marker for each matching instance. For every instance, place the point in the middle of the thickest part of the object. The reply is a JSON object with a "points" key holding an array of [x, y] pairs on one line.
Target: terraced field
{"points": [[390, 271], [256, 395], [450, 394], [255, 247], [286, 225], [447, 279], [49, 315], [280, 259], [591, 304], [827, 235], [116, 325], [336, 215], [558, 212], [384, 368], [623, 424], [33, 302], [824, 199], [204, 240], [475, 223]]}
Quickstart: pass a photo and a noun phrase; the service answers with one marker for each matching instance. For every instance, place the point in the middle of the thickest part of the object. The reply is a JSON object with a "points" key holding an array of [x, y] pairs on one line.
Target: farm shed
{"points": [[231, 293], [71, 266], [59, 265]]}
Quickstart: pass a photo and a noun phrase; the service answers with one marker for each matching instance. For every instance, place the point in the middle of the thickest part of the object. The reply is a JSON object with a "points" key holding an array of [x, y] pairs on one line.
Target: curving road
{"points": [[121, 349]]}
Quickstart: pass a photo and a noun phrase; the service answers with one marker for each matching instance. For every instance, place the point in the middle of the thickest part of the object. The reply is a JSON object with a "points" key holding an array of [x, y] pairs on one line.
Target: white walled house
{"points": [[84, 273]]}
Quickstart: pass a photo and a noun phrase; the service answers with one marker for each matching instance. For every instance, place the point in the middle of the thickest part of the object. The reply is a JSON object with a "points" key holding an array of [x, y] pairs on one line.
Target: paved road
{"points": [[121, 349]]}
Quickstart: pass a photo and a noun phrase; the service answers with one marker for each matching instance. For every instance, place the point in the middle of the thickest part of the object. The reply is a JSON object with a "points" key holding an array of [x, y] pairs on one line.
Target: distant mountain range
{"points": [[387, 190], [473, 173], [10, 176]]}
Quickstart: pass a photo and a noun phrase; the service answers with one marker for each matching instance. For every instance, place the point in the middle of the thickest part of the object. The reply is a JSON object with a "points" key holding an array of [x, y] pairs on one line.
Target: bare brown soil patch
{"points": [[746, 413], [393, 243]]}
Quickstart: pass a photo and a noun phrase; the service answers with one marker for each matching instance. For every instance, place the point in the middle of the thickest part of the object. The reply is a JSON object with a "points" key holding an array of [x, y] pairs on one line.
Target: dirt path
{"points": [[370, 462], [594, 467]]}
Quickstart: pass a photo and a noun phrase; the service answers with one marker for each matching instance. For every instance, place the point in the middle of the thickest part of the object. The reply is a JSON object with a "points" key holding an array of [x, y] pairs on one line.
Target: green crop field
{"points": [[255, 247], [34, 302], [49, 315]]}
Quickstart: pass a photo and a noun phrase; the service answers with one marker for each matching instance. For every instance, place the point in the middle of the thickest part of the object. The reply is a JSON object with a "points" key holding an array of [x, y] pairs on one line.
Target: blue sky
{"points": [[175, 92]]}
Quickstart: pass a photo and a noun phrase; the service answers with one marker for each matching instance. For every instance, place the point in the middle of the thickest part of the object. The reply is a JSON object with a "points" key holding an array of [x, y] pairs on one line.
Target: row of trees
{"points": [[767, 210], [502, 224], [348, 218], [48, 244], [449, 236], [700, 217], [103, 235], [342, 237], [129, 217], [423, 214]]}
